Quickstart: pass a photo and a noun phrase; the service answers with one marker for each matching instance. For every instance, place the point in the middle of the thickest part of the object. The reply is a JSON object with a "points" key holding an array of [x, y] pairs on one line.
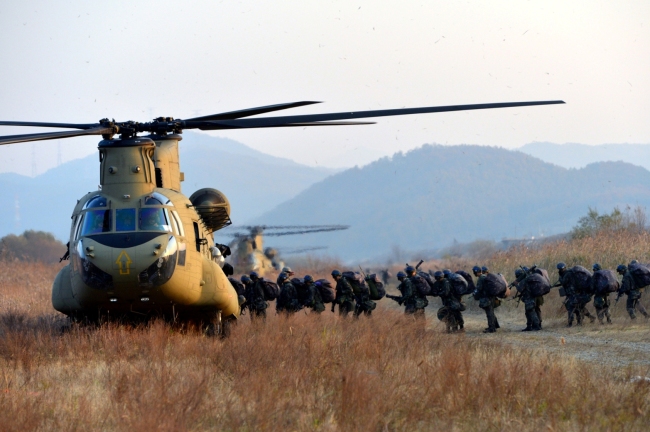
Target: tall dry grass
{"points": [[298, 373]]}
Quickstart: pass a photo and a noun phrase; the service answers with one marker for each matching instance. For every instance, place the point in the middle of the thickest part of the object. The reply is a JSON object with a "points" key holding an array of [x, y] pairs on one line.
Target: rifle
{"points": [[396, 298]]}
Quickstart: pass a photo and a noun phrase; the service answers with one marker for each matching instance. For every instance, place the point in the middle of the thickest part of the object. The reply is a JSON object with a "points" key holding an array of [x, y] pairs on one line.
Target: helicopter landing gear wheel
{"points": [[219, 327]]}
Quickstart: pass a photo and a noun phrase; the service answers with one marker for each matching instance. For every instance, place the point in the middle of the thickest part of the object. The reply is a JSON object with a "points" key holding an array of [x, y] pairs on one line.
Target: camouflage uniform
{"points": [[255, 300], [314, 299], [533, 320], [288, 300], [363, 303], [633, 295], [413, 302], [601, 303], [344, 297], [450, 312], [572, 302], [488, 304]]}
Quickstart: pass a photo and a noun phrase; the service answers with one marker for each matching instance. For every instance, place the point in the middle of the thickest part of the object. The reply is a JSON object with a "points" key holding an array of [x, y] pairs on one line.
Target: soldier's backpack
{"points": [[437, 289], [471, 287], [430, 280], [604, 282], [356, 281], [537, 285], [327, 292], [271, 290], [581, 278], [301, 289], [542, 272], [459, 285], [376, 287], [420, 284], [495, 285], [237, 285], [640, 274]]}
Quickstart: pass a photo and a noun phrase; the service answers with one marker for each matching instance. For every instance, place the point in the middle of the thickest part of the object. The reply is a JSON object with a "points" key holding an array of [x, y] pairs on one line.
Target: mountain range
{"points": [[571, 155], [429, 197]]}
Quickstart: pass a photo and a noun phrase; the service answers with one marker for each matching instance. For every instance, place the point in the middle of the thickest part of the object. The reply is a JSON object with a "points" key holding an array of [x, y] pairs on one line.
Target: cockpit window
{"points": [[154, 219], [96, 201], [125, 219], [157, 198], [96, 222]]}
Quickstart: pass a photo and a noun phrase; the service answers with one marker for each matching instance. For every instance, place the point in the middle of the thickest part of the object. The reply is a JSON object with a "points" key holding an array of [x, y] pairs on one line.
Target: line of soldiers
{"points": [[291, 298], [577, 296], [413, 297]]}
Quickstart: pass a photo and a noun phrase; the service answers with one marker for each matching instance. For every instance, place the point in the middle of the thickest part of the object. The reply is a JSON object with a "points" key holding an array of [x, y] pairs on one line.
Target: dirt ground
{"points": [[623, 343]]}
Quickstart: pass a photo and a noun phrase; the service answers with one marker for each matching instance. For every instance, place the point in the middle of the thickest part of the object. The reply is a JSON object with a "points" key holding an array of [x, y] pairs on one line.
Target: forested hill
{"points": [[428, 197]]}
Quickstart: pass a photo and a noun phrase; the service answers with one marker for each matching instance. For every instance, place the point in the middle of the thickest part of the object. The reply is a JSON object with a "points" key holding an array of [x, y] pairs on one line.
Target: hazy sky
{"points": [[80, 61]]}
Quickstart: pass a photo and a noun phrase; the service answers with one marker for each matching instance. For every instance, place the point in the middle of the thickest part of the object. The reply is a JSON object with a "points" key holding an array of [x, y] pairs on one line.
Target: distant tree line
{"points": [[31, 246], [630, 219]]}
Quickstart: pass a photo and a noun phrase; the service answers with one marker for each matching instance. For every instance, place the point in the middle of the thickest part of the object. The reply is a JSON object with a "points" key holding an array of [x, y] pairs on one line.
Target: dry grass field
{"points": [[321, 372]]}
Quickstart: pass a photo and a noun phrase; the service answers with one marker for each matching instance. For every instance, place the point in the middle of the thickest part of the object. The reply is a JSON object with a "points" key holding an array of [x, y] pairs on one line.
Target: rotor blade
{"points": [[11, 139], [51, 125], [285, 121], [219, 125], [267, 227], [284, 233], [252, 111]]}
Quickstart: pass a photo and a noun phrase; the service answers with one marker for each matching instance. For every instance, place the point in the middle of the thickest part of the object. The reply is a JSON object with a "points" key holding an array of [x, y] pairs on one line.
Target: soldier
{"points": [[254, 294], [533, 322], [314, 299], [485, 302], [414, 303], [449, 302], [571, 292], [601, 301], [288, 272], [288, 300], [385, 275], [633, 292], [344, 294], [363, 304], [539, 301], [456, 304]]}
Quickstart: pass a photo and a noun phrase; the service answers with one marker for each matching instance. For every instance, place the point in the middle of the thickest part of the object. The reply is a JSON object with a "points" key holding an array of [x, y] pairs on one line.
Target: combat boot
{"points": [[489, 330], [527, 329]]}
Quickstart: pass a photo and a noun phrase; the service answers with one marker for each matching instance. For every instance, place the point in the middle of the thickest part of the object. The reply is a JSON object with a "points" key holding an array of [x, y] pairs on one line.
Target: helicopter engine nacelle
{"points": [[213, 207]]}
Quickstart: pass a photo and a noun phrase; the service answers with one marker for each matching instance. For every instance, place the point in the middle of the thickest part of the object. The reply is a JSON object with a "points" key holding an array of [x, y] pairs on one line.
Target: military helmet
{"points": [[596, 267], [438, 275], [254, 275], [308, 278], [525, 269], [287, 270], [336, 273], [476, 269], [519, 273], [446, 272], [283, 276], [245, 279], [561, 266], [409, 269], [484, 269], [633, 262], [401, 275], [621, 268]]}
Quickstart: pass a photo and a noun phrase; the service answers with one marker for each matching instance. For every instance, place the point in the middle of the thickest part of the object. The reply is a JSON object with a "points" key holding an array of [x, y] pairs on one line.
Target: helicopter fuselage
{"points": [[139, 249]]}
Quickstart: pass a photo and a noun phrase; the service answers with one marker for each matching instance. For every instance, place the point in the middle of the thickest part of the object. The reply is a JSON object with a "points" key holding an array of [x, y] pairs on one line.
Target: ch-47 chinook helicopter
{"points": [[249, 253], [138, 246]]}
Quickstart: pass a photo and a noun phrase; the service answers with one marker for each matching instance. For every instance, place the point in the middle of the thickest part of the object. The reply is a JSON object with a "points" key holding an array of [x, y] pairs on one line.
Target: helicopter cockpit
{"points": [[97, 218]]}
